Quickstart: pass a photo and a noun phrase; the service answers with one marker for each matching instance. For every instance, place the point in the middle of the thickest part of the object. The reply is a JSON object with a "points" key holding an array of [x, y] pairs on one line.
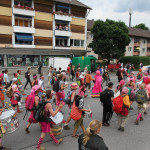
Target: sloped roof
{"points": [[139, 32], [73, 2]]}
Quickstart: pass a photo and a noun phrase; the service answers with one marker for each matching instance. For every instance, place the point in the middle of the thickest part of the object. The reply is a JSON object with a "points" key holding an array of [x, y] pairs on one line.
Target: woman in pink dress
{"points": [[97, 89]]}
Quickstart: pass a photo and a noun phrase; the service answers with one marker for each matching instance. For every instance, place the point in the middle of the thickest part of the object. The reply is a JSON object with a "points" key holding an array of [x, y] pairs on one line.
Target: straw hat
{"points": [[74, 86]]}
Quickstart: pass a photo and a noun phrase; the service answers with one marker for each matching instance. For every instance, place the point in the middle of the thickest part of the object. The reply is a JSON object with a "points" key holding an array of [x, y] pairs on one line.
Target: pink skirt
{"points": [[31, 118], [13, 101], [46, 127]]}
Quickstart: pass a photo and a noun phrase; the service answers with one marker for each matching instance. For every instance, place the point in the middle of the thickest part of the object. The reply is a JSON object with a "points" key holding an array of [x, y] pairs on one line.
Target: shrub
{"points": [[136, 60]]}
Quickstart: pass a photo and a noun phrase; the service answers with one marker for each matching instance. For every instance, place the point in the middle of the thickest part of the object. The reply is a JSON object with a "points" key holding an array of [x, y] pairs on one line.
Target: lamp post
{"points": [[130, 14]]}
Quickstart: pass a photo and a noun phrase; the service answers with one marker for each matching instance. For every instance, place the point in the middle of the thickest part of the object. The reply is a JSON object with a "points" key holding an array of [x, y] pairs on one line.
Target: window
{"points": [[64, 26], [148, 41], [144, 41], [76, 42], [23, 3], [23, 21], [129, 49], [148, 50], [23, 39], [61, 42], [143, 49], [136, 40]]}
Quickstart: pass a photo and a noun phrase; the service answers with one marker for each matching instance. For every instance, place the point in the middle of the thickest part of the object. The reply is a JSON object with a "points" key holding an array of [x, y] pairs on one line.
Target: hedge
{"points": [[136, 60]]}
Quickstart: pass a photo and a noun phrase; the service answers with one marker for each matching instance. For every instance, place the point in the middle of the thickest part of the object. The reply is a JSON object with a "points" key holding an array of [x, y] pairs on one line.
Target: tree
{"points": [[110, 39], [142, 26]]}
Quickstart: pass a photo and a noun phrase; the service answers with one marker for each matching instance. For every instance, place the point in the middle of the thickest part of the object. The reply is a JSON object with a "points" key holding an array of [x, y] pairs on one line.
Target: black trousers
{"points": [[107, 114], [28, 81]]}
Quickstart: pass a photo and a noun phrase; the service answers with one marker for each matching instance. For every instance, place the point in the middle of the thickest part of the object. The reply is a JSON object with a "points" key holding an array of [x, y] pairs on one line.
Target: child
{"points": [[88, 79]]}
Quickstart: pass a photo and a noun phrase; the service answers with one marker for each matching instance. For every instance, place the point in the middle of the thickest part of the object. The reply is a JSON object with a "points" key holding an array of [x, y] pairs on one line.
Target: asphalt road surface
{"points": [[134, 138]]}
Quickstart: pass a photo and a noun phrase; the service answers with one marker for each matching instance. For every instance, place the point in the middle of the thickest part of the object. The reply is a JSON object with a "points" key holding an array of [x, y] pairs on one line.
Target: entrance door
{"points": [[92, 65]]}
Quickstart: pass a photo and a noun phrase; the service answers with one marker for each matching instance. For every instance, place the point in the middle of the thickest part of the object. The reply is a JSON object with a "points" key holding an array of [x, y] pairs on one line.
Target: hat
{"points": [[35, 88], [34, 76], [14, 80], [74, 86], [29, 68], [140, 70], [122, 82], [146, 73], [125, 90]]}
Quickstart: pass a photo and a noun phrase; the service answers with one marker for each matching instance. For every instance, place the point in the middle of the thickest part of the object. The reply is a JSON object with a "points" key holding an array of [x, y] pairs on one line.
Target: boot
{"points": [[122, 129], [27, 130], [59, 141], [137, 122], [19, 111]]}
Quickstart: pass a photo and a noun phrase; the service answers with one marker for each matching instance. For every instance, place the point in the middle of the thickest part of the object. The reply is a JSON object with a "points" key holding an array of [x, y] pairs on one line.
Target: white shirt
{"points": [[41, 84], [6, 78]]}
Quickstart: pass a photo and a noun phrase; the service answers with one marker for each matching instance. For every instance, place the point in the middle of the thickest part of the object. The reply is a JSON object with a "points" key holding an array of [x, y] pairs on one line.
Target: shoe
{"points": [[122, 129], [4, 148], [59, 141], [119, 128], [141, 119], [106, 124], [137, 122], [41, 148], [66, 127], [145, 113], [27, 130], [19, 111]]}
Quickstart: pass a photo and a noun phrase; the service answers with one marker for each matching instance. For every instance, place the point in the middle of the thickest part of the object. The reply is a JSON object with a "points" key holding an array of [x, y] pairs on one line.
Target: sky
{"points": [[118, 10]]}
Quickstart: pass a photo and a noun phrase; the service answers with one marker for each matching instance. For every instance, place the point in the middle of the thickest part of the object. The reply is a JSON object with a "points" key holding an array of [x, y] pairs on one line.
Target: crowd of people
{"points": [[130, 88]]}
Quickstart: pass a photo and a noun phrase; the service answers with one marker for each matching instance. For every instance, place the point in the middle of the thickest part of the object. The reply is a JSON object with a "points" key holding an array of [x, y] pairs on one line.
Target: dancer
{"points": [[97, 89], [88, 79], [120, 86], [46, 126], [27, 76], [91, 139], [35, 81], [34, 92], [2, 97]]}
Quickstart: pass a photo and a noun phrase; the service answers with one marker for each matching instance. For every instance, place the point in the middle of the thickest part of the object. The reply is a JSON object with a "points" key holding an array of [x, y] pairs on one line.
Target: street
{"points": [[134, 138]]}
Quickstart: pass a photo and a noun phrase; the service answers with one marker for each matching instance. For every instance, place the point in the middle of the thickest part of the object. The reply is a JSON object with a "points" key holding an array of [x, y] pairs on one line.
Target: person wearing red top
{"points": [[68, 71], [78, 73]]}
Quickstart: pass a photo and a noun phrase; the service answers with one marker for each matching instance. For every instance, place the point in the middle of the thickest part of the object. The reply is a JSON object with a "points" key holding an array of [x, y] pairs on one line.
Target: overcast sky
{"points": [[119, 10]]}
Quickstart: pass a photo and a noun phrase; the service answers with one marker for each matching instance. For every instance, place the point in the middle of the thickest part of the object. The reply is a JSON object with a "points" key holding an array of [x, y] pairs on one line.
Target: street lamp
{"points": [[130, 14]]}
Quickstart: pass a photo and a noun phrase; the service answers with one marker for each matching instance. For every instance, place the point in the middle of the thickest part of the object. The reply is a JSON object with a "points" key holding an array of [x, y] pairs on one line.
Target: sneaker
{"points": [[137, 122], [59, 141], [27, 130], [66, 127]]}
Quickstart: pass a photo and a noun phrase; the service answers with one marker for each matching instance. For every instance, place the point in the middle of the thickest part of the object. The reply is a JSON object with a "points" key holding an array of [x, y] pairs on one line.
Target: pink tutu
{"points": [[46, 127]]}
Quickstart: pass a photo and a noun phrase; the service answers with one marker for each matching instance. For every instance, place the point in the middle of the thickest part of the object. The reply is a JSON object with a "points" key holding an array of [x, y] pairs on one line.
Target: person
{"points": [[141, 65], [54, 79], [145, 77], [85, 70], [105, 78], [34, 92], [73, 72], [2, 97], [41, 84], [91, 140], [124, 72], [129, 70], [40, 68], [68, 71], [77, 74], [120, 86], [97, 89], [35, 81], [18, 76], [61, 94], [60, 27], [123, 115], [77, 114], [2, 134], [88, 79], [119, 74], [141, 106], [107, 104], [46, 126], [132, 76], [148, 91], [73, 87], [27, 76], [6, 78], [49, 75], [15, 98], [139, 77]]}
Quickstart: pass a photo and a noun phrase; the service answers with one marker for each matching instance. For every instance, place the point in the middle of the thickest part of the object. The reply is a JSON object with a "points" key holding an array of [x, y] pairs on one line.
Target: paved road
{"points": [[134, 137]]}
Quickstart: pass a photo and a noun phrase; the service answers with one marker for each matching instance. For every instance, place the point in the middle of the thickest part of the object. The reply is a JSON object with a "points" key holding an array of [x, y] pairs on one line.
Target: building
{"points": [[139, 43], [33, 30]]}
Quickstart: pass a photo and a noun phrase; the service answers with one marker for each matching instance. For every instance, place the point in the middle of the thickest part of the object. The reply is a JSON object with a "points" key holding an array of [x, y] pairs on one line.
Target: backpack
{"points": [[141, 96], [117, 104], [56, 86], [29, 105], [67, 98], [39, 113], [52, 81], [75, 111], [9, 92], [26, 74], [104, 96]]}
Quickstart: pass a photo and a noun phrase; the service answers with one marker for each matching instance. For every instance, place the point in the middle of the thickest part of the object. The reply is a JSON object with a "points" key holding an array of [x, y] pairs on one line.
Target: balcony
{"points": [[63, 47], [136, 53], [148, 54], [63, 17], [23, 11], [148, 44], [62, 33], [18, 29], [23, 46], [137, 44]]}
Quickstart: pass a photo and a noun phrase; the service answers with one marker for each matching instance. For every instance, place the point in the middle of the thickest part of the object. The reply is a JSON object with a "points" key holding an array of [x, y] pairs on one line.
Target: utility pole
{"points": [[130, 14]]}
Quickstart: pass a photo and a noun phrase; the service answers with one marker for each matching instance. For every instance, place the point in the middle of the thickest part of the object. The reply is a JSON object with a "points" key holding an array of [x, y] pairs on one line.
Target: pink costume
{"points": [[97, 89]]}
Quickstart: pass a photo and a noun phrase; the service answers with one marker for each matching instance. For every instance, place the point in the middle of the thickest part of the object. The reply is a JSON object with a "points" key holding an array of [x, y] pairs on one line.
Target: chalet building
{"points": [[33, 30]]}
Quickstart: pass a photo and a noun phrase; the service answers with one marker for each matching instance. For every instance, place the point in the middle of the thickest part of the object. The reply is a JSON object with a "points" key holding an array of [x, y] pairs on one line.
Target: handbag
{"points": [[124, 112]]}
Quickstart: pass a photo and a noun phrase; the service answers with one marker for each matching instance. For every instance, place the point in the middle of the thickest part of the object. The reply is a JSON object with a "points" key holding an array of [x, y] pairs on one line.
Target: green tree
{"points": [[142, 26], [110, 39]]}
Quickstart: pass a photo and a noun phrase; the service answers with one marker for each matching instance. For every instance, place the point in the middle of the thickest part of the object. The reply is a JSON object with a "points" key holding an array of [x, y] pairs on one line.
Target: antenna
{"points": [[130, 14]]}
